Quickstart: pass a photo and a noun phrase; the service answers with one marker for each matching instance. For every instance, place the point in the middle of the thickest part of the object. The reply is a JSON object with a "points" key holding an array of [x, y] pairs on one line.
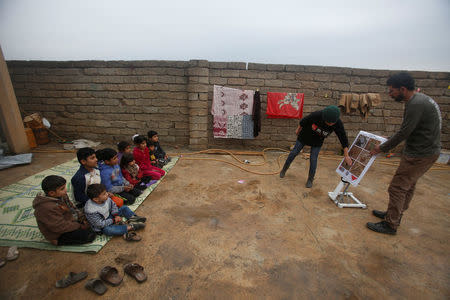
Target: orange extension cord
{"points": [[436, 167]]}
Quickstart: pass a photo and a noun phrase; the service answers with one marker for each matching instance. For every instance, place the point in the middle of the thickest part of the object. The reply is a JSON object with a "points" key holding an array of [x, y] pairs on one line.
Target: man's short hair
{"points": [[84, 153], [94, 190], [401, 79], [52, 182]]}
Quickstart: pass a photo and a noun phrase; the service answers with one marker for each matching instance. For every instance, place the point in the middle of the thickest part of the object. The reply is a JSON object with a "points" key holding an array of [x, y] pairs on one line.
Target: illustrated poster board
{"points": [[359, 152]]}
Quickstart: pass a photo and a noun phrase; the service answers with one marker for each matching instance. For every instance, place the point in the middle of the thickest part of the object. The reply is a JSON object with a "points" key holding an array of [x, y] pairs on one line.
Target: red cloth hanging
{"points": [[285, 105]]}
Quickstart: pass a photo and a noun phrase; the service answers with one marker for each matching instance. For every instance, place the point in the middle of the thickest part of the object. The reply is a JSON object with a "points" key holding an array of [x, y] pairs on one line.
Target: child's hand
{"points": [[127, 188], [117, 219], [166, 156], [110, 194], [85, 225]]}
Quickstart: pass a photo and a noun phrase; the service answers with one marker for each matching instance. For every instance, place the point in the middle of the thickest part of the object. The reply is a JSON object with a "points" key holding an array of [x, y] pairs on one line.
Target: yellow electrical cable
{"points": [[263, 154], [237, 159]]}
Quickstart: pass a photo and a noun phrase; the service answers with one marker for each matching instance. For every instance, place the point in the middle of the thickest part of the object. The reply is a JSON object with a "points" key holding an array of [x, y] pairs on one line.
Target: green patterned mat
{"points": [[17, 223]]}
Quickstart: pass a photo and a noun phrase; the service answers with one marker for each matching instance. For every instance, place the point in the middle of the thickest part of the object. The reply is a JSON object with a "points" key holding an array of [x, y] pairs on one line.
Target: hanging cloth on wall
{"points": [[359, 102], [256, 114], [285, 105], [232, 110]]}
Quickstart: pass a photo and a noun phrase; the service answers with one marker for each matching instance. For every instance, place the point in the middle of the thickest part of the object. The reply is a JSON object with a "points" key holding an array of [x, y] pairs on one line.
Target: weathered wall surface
{"points": [[111, 100]]}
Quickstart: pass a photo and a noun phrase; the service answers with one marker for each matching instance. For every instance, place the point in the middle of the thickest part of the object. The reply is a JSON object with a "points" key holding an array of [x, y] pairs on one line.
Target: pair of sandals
{"points": [[12, 254], [137, 223], [111, 276]]}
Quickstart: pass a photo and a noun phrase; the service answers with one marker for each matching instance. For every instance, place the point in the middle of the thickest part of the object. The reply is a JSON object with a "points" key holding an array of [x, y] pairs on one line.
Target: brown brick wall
{"points": [[111, 100]]}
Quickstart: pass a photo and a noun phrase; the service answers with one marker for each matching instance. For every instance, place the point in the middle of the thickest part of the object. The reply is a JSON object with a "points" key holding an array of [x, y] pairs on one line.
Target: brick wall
{"points": [[111, 100]]}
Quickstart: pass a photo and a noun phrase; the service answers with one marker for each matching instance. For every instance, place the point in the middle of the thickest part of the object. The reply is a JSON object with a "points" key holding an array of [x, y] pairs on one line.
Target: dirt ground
{"points": [[211, 237]]}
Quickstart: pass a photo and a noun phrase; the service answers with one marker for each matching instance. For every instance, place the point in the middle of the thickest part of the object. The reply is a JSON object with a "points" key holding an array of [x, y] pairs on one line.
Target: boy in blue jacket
{"points": [[111, 176]]}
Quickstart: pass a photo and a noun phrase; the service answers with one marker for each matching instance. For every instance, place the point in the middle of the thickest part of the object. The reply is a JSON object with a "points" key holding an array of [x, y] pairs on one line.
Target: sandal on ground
{"points": [[136, 271], [96, 285], [110, 275], [71, 279], [131, 237], [13, 253]]}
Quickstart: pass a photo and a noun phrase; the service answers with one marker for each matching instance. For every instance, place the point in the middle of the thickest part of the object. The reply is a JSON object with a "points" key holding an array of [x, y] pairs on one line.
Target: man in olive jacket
{"points": [[421, 128]]}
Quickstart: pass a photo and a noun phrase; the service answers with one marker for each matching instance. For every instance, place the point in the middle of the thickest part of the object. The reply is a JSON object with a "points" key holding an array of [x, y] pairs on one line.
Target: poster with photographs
{"points": [[359, 152]]}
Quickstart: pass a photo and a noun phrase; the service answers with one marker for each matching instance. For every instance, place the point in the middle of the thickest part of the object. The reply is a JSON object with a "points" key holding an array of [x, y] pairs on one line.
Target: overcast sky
{"points": [[375, 34]]}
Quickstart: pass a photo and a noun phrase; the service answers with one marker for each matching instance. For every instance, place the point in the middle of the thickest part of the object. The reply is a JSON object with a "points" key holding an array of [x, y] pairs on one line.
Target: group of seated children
{"points": [[100, 192]]}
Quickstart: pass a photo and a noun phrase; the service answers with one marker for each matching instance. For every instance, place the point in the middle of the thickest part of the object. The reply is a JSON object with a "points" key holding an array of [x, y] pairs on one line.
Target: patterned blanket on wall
{"points": [[232, 113], [17, 222]]}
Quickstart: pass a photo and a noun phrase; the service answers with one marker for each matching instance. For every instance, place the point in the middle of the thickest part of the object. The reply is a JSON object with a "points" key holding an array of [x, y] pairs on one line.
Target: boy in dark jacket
{"points": [[87, 174], [159, 153], [58, 219], [312, 131]]}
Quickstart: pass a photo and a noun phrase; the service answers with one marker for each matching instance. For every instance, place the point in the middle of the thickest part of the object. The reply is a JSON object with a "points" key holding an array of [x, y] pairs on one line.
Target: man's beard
{"points": [[399, 98]]}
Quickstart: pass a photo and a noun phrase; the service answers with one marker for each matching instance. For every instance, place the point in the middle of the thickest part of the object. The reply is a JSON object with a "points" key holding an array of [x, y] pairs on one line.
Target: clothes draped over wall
{"points": [[256, 114], [232, 111], [359, 102], [285, 105]]}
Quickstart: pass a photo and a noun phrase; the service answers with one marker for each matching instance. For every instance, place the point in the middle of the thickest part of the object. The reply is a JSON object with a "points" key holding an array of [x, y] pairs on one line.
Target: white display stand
{"points": [[338, 196], [352, 174]]}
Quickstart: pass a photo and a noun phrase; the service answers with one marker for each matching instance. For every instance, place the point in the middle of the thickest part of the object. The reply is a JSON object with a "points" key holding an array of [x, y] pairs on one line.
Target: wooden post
{"points": [[10, 117]]}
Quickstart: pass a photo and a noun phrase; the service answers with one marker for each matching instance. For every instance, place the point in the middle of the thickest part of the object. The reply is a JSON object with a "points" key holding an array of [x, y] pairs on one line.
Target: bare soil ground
{"points": [[211, 237]]}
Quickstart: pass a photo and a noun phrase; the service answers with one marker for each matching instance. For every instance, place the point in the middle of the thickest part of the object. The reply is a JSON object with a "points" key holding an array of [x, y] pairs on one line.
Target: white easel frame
{"points": [[338, 195]]}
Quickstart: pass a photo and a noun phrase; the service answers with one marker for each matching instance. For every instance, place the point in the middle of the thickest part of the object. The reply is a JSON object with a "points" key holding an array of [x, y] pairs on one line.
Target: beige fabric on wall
{"points": [[359, 102]]}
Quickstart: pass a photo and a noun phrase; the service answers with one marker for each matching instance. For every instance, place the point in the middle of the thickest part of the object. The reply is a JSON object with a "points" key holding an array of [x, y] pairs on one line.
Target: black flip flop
{"points": [[96, 285], [71, 279]]}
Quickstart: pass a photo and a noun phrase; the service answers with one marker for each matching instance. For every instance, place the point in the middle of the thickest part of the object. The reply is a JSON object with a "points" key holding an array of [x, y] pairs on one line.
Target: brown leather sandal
{"points": [[136, 271]]}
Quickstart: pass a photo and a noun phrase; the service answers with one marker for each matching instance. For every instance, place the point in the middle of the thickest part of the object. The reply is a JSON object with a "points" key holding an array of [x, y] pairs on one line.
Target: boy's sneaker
{"points": [[137, 226], [137, 219]]}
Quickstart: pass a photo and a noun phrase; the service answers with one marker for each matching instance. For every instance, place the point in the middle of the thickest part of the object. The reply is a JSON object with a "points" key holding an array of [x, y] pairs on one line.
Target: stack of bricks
{"points": [[109, 101]]}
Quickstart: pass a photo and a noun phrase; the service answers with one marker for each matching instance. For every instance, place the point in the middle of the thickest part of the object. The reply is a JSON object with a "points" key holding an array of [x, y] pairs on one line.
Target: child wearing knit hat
{"points": [[312, 131]]}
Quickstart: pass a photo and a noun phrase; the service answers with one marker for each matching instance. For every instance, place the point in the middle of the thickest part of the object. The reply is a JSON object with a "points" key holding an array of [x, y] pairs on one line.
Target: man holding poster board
{"points": [[361, 158], [421, 128]]}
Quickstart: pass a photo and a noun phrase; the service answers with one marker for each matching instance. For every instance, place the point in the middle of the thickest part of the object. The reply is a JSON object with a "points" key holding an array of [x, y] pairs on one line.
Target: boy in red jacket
{"points": [[142, 158]]}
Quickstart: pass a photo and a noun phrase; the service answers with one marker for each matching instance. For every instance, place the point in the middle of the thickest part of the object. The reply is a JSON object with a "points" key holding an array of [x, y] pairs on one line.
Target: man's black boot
{"points": [[283, 171], [379, 214], [309, 182], [382, 227]]}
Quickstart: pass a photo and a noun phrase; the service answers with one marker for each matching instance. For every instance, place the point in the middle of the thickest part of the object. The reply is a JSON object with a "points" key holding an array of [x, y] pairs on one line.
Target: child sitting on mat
{"points": [[132, 173], [58, 219], [104, 216], [112, 176], [87, 174], [142, 158], [160, 155], [123, 147]]}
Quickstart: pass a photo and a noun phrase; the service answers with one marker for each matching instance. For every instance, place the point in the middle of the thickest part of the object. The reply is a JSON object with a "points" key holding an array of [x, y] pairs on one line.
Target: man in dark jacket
{"points": [[421, 128], [312, 131]]}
